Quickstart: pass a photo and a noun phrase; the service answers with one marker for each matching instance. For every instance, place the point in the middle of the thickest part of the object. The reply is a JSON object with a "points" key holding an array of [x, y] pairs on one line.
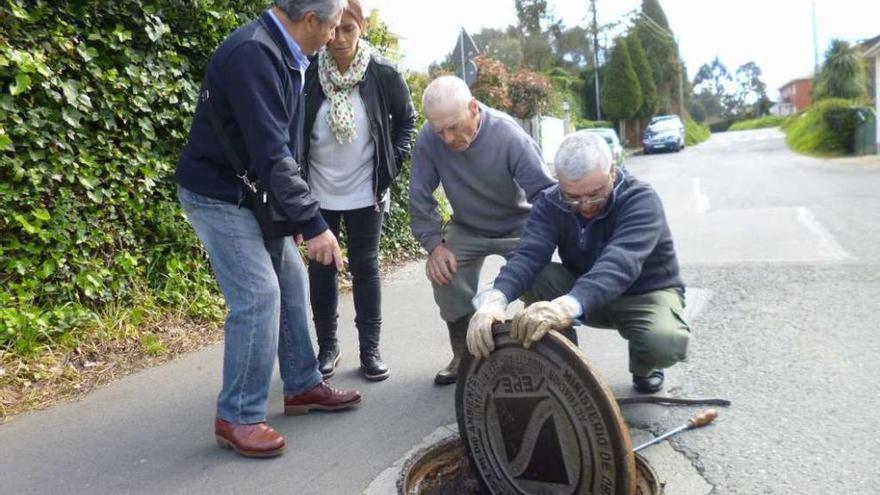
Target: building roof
{"points": [[869, 46]]}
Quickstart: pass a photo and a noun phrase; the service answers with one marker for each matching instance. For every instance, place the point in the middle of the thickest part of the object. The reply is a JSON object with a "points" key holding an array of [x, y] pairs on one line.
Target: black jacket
{"points": [[254, 88], [390, 111]]}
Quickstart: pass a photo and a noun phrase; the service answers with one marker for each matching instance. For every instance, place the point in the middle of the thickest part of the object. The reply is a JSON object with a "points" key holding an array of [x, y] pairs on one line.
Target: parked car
{"points": [[672, 117], [617, 154], [664, 134]]}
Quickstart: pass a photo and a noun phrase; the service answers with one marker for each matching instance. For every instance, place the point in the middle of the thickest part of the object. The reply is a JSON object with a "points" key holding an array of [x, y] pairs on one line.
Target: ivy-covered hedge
{"points": [[95, 103], [825, 128]]}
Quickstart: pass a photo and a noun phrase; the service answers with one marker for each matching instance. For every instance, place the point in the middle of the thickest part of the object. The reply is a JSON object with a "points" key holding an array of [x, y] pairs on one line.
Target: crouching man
{"points": [[619, 269]]}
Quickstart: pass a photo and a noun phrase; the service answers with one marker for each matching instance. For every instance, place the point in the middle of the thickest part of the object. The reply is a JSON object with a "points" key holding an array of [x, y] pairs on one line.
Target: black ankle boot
{"points": [[372, 366], [328, 359], [649, 384]]}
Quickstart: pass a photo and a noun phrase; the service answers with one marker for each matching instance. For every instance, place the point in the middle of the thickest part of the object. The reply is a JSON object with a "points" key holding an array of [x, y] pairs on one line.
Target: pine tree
{"points": [[621, 94], [645, 75]]}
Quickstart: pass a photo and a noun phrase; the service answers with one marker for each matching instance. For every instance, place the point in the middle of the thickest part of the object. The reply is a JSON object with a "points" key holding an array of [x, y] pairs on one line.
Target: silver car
{"points": [[610, 137]]}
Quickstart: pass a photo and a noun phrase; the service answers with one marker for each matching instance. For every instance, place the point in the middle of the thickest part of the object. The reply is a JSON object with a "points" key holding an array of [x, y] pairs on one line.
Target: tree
{"points": [[573, 47], [843, 73], [503, 46], [529, 15], [661, 51], [752, 91], [645, 75], [621, 94], [710, 86]]}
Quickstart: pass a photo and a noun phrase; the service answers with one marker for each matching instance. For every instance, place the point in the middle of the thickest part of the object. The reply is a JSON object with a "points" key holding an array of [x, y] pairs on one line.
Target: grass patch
{"points": [[694, 132], [761, 123], [824, 129]]}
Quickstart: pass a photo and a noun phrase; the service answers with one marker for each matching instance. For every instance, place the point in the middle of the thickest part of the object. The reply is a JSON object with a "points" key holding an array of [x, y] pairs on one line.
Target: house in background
{"points": [[794, 96]]}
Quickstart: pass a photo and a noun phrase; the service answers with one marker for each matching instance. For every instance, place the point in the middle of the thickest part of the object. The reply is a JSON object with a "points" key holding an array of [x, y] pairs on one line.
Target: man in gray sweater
{"points": [[490, 170]]}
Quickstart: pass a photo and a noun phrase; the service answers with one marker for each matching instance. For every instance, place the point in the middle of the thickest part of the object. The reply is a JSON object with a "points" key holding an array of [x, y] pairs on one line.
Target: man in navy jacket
{"points": [[619, 269], [253, 87]]}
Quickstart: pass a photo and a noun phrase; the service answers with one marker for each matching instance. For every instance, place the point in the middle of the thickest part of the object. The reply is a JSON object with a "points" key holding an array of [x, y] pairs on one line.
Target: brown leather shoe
{"points": [[254, 440], [322, 397]]}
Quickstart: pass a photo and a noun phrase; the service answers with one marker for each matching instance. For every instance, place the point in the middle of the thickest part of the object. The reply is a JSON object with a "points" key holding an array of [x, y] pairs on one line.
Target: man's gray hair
{"points": [[447, 92], [581, 153], [323, 9]]}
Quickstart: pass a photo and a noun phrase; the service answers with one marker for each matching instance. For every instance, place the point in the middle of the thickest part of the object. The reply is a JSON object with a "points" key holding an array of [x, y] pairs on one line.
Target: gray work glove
{"points": [[532, 324], [491, 306]]}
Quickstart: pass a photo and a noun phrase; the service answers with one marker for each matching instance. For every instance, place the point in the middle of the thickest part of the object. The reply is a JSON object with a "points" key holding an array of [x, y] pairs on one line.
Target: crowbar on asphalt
{"points": [[697, 421]]}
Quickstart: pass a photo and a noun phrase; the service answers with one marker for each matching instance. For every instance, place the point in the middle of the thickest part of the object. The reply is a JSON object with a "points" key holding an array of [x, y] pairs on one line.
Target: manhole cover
{"points": [[540, 421]]}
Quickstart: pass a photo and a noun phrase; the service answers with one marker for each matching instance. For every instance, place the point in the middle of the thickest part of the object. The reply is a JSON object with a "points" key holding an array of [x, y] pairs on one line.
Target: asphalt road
{"points": [[779, 254]]}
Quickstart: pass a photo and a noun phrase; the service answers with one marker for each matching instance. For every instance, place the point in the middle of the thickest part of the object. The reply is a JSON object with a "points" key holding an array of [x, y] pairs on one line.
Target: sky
{"points": [[776, 34]]}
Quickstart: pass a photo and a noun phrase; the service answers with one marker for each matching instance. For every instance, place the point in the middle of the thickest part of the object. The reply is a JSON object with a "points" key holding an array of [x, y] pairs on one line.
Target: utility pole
{"points": [[815, 43], [595, 29]]}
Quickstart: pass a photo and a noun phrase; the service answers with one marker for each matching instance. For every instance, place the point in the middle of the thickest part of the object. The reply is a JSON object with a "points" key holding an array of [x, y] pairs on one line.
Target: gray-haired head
{"points": [[581, 153], [446, 94], [323, 9]]}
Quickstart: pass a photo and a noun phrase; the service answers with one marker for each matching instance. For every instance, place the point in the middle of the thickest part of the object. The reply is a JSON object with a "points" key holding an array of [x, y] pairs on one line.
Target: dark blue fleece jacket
{"points": [[625, 250], [255, 87]]}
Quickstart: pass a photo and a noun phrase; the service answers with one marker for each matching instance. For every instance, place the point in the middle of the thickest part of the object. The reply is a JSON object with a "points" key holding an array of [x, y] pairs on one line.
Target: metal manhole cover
{"points": [[540, 421]]}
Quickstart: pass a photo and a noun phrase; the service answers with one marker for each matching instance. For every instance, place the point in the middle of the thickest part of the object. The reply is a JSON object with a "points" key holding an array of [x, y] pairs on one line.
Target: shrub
{"points": [[529, 94], [761, 123], [491, 84], [825, 128], [95, 108], [593, 124], [694, 132]]}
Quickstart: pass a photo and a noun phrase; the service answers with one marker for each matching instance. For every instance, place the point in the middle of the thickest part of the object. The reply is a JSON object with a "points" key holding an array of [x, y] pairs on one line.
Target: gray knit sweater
{"points": [[489, 185]]}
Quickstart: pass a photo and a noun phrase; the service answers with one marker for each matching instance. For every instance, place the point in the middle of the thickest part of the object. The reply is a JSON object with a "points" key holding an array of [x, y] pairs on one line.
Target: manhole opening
{"points": [[443, 469]]}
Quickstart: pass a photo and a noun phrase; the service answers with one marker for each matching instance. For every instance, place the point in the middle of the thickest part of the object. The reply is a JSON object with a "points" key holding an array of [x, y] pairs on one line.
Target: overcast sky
{"points": [[776, 34]]}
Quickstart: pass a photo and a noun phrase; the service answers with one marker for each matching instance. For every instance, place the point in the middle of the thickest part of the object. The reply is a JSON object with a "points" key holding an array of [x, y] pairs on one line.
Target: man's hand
{"points": [[324, 249], [532, 324], [491, 307], [441, 265]]}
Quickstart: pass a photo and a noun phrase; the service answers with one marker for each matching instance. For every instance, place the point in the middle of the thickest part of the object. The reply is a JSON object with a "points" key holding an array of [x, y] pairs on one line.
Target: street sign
{"points": [[462, 56], [540, 421]]}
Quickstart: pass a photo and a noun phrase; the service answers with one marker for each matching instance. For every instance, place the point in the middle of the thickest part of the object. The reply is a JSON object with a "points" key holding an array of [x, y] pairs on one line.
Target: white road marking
{"points": [[701, 199], [827, 243]]}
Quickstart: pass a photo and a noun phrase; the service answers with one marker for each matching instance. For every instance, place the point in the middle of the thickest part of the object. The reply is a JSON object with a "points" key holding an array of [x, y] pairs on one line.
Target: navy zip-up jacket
{"points": [[625, 250], [255, 87]]}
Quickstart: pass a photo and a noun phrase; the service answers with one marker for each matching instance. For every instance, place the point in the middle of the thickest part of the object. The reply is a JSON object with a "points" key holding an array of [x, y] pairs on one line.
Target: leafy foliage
{"points": [[529, 94], [95, 107], [694, 132], [843, 73], [491, 84], [761, 123], [826, 128], [99, 98], [644, 74], [621, 94]]}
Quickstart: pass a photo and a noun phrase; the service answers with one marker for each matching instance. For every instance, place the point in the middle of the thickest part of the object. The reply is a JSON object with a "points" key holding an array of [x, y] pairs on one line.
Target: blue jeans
{"points": [[363, 228], [265, 287]]}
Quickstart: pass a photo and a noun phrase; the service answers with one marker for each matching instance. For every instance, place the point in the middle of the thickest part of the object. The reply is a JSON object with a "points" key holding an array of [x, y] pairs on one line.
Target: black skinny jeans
{"points": [[363, 228]]}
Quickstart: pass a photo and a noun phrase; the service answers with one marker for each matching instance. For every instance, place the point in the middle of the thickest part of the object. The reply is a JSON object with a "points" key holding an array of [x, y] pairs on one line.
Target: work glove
{"points": [[491, 306], [532, 323]]}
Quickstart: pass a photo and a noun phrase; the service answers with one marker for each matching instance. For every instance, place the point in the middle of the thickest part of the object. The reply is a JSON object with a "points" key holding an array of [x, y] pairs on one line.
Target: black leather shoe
{"points": [[372, 366], [649, 384], [328, 360]]}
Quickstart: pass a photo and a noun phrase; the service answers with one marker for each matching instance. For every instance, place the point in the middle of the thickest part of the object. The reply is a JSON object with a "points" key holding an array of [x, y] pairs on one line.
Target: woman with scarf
{"points": [[359, 123]]}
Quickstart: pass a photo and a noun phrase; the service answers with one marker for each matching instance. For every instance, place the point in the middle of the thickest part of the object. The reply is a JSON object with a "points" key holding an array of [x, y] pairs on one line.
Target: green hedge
{"points": [[593, 124], [761, 123], [95, 103], [825, 128], [694, 132]]}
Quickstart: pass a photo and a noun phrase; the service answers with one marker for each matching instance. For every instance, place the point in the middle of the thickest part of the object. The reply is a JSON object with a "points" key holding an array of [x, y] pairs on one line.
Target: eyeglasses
{"points": [[593, 199]]}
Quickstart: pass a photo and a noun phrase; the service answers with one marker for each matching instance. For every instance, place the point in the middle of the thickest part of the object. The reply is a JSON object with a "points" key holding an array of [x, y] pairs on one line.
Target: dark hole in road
{"points": [[443, 469]]}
